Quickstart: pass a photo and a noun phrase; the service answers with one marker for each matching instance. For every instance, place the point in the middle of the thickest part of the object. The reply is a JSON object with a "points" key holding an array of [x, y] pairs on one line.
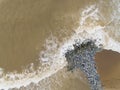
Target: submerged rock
{"points": [[82, 57]]}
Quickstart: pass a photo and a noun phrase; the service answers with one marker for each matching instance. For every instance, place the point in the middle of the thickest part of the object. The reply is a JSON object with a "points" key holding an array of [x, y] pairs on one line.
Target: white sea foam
{"points": [[53, 56]]}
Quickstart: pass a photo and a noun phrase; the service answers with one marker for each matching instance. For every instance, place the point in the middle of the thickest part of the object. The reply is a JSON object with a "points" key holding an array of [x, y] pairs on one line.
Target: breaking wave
{"points": [[53, 59]]}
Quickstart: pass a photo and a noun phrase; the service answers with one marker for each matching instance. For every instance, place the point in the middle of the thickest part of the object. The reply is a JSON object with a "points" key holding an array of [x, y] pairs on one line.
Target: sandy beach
{"points": [[32, 33]]}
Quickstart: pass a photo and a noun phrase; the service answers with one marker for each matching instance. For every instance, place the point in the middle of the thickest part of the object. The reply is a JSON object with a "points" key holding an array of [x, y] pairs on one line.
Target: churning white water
{"points": [[52, 58]]}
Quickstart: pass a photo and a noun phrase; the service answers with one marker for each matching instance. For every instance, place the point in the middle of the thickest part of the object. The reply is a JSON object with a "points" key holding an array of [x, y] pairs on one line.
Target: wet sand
{"points": [[62, 80], [109, 69], [26, 24]]}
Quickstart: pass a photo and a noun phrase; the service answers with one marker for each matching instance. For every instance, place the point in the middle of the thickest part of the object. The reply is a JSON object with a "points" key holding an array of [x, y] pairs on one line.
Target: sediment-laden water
{"points": [[36, 34]]}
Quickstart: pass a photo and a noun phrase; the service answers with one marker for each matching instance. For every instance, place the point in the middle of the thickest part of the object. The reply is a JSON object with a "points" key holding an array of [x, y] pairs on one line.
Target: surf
{"points": [[53, 57]]}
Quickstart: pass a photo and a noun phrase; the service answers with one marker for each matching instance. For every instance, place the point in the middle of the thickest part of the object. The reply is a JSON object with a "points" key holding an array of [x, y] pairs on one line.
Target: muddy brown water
{"points": [[26, 24]]}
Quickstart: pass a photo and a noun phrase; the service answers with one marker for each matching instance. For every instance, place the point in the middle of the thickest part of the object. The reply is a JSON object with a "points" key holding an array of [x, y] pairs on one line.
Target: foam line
{"points": [[55, 56]]}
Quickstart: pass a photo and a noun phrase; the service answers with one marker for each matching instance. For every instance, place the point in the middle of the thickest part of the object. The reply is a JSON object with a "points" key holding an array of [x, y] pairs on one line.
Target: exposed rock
{"points": [[82, 57]]}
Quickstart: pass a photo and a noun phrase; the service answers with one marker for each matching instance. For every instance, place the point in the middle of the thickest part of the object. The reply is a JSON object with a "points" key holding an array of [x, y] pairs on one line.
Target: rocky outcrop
{"points": [[82, 57]]}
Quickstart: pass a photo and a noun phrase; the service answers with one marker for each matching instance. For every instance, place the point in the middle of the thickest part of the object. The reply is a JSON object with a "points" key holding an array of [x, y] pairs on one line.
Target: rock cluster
{"points": [[82, 57]]}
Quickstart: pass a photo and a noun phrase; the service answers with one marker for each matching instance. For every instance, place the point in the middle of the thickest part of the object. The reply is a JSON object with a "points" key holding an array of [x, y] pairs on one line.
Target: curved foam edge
{"points": [[81, 33]]}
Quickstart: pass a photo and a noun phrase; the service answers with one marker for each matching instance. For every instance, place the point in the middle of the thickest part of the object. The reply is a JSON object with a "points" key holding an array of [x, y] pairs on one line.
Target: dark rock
{"points": [[82, 57]]}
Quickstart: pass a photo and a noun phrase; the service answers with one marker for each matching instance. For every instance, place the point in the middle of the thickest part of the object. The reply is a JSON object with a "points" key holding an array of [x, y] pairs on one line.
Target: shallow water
{"points": [[33, 31]]}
